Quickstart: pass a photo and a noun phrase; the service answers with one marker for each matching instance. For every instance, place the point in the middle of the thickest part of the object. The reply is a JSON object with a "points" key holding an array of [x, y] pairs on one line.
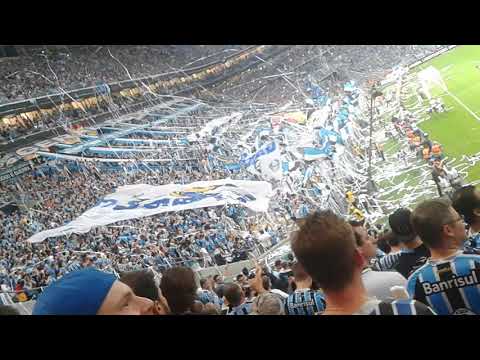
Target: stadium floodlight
{"points": [[431, 76]]}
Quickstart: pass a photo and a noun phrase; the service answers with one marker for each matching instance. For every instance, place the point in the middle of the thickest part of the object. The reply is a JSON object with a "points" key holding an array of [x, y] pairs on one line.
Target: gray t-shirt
{"points": [[378, 283]]}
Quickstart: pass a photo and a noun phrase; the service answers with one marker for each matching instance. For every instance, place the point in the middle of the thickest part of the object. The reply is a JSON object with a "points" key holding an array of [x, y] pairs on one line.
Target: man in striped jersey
{"points": [[206, 294], [381, 261], [450, 280], [413, 254], [377, 283], [234, 297], [325, 246], [304, 300], [386, 261], [466, 201]]}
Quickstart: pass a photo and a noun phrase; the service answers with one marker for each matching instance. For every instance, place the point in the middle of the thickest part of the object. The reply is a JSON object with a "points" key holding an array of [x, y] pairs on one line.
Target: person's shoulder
{"points": [[418, 271], [470, 254]]}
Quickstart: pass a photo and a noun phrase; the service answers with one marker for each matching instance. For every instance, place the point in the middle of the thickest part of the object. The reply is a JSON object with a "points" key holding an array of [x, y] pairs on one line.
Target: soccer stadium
{"points": [[239, 180]]}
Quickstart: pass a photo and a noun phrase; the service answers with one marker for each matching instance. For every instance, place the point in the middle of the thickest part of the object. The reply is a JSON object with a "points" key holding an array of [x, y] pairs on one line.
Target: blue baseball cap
{"points": [[80, 292]]}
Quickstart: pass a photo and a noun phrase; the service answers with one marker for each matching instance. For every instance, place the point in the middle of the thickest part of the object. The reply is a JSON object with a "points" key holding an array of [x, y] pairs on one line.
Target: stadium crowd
{"points": [[74, 68], [428, 263], [43, 71], [197, 238], [430, 269]]}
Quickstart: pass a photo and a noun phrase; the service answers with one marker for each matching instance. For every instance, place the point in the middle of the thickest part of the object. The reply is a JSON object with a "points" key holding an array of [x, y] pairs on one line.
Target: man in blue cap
{"points": [[91, 292]]}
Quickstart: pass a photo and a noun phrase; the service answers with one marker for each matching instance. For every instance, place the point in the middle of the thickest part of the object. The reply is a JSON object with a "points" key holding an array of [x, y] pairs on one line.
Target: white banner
{"points": [[140, 200]]}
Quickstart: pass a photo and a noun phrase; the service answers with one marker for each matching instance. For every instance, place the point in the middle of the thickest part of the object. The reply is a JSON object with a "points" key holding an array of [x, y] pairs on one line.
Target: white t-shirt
{"points": [[378, 283]]}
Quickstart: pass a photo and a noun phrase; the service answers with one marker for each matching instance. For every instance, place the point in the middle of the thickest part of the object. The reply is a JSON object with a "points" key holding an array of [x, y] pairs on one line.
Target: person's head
{"points": [[365, 243], [278, 264], [392, 241], [466, 201], [382, 242], [301, 276], [218, 279], [439, 225], [325, 246], [211, 309], [144, 284], [204, 283], [401, 226], [179, 288], [233, 294], [8, 310], [437, 164], [91, 292], [86, 260], [197, 307], [267, 304], [241, 278]]}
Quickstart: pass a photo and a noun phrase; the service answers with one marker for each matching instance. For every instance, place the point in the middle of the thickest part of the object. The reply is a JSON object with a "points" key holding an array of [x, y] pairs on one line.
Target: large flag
{"points": [[140, 200], [266, 161]]}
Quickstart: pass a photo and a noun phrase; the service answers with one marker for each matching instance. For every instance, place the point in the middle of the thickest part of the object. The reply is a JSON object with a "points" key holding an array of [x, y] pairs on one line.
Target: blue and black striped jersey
{"points": [[243, 309], [305, 302], [450, 286], [473, 241], [74, 267], [386, 262], [401, 307], [411, 260], [206, 296]]}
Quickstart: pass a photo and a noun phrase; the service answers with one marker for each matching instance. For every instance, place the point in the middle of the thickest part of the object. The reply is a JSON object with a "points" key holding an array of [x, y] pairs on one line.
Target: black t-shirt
{"points": [[412, 259]]}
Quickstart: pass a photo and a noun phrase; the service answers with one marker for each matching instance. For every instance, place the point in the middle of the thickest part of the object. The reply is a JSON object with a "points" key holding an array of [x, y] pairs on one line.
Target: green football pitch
{"points": [[458, 130]]}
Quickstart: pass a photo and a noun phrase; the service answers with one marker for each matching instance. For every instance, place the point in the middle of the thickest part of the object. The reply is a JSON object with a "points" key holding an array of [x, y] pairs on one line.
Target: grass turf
{"points": [[457, 130]]}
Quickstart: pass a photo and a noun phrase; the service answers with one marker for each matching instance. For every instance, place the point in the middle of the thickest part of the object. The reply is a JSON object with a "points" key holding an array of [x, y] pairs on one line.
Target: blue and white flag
{"points": [[266, 161], [313, 153], [141, 200]]}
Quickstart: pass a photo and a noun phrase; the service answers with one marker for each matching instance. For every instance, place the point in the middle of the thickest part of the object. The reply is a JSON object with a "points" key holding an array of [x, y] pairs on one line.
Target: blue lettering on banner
{"points": [[186, 198], [191, 197], [131, 205], [157, 203]]}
